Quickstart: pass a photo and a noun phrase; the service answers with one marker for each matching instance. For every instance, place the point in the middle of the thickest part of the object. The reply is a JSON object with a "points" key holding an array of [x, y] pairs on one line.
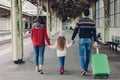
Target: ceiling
{"points": [[65, 9], [4, 12]]}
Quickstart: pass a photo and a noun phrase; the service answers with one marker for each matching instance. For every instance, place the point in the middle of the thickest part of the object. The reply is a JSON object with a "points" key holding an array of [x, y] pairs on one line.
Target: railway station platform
{"points": [[26, 71]]}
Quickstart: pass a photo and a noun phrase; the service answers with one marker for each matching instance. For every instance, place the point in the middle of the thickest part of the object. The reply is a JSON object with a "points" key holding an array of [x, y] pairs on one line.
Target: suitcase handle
{"points": [[97, 49]]}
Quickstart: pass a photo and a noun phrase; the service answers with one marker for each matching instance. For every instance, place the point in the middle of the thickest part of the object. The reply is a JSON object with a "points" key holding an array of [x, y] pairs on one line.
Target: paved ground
{"points": [[26, 71]]}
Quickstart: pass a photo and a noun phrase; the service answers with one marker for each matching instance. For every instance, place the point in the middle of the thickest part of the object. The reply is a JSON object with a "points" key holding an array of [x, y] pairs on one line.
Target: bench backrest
{"points": [[116, 39]]}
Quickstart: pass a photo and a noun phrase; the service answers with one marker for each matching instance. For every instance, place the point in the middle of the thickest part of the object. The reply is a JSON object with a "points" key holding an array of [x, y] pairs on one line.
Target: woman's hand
{"points": [[73, 42]]}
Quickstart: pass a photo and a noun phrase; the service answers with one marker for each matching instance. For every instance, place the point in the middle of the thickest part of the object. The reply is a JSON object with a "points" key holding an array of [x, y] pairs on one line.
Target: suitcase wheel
{"points": [[94, 77], [107, 76]]}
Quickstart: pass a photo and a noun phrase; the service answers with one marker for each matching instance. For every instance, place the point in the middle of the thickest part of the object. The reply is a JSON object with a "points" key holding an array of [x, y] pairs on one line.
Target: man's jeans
{"points": [[61, 61], [85, 45], [39, 51]]}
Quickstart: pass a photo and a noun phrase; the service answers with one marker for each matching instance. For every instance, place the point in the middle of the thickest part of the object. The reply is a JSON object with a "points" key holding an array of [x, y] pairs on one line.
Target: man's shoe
{"points": [[41, 72]]}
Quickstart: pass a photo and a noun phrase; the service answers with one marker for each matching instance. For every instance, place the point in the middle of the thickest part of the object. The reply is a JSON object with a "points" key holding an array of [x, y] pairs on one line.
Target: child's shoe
{"points": [[61, 70]]}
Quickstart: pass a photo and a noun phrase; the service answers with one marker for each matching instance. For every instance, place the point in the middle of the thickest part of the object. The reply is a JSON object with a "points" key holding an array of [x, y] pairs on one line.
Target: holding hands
{"points": [[73, 42]]}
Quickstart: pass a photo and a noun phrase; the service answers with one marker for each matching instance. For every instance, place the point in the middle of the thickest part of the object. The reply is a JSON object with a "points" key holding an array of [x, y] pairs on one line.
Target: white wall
{"points": [[4, 24], [114, 31]]}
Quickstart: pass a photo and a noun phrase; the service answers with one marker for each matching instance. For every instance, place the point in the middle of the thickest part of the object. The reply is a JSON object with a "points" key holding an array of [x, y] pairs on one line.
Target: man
{"points": [[87, 32]]}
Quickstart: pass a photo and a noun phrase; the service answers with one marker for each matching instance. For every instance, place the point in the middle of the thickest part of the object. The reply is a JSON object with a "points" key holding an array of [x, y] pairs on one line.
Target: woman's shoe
{"points": [[83, 73], [41, 71], [37, 69]]}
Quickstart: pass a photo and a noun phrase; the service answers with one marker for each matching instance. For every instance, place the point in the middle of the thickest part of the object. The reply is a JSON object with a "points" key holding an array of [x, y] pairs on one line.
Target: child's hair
{"points": [[61, 42]]}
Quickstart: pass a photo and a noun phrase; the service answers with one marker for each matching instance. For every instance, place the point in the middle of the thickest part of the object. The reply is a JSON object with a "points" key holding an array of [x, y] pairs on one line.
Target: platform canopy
{"points": [[28, 8], [66, 8], [4, 8]]}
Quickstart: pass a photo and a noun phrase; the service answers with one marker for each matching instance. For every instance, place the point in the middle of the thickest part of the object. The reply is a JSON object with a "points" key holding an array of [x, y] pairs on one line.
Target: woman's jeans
{"points": [[85, 45], [39, 54], [61, 61]]}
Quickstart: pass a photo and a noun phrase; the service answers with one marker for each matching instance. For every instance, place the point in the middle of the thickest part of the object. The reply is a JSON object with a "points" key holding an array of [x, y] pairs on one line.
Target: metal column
{"points": [[48, 22], [106, 20], [17, 36], [39, 8]]}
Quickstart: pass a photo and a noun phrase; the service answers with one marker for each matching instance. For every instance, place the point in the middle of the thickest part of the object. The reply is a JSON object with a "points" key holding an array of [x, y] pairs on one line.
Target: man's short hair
{"points": [[86, 12]]}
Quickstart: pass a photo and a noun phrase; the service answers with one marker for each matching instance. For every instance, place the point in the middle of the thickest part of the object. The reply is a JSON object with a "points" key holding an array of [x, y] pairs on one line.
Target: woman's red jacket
{"points": [[38, 36]]}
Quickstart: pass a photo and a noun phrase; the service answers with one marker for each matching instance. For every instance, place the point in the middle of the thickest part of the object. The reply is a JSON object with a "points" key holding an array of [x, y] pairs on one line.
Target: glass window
{"points": [[116, 14], [110, 9], [96, 22], [91, 16], [101, 22], [119, 20], [111, 0], [116, 6], [119, 5], [112, 21], [101, 3], [100, 13], [97, 5], [112, 13], [112, 6], [115, 20], [97, 15]]}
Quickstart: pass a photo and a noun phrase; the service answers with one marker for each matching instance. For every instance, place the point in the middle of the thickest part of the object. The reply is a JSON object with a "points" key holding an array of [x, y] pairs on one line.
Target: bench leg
{"points": [[110, 47], [116, 47], [113, 47]]}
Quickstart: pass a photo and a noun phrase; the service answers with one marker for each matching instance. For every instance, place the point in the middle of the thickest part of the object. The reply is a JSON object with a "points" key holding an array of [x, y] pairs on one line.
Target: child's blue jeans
{"points": [[61, 61]]}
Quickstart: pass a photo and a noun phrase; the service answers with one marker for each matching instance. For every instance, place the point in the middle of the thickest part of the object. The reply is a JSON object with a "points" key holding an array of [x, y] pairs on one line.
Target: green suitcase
{"points": [[100, 66]]}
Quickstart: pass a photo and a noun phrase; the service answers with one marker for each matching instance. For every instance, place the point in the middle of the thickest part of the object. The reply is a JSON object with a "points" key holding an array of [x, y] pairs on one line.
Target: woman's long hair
{"points": [[61, 42]]}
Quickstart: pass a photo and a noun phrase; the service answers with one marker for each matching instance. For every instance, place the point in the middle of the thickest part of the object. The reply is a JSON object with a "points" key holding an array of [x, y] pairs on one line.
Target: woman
{"points": [[38, 37]]}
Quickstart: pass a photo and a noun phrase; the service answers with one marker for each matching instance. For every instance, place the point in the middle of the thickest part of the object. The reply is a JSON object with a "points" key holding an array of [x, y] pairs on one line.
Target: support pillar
{"points": [[28, 21], [106, 20], [93, 4], [39, 8], [17, 36], [48, 22]]}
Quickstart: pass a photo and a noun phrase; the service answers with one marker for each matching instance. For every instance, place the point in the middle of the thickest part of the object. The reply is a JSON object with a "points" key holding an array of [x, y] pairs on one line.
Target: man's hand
{"points": [[95, 44]]}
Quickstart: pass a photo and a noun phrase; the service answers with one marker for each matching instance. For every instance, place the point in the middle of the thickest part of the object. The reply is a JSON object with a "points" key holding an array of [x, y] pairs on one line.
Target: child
{"points": [[61, 45]]}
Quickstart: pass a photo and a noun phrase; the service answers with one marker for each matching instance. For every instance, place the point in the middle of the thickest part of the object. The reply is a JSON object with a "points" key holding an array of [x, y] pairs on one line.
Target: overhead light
{"points": [[68, 17]]}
